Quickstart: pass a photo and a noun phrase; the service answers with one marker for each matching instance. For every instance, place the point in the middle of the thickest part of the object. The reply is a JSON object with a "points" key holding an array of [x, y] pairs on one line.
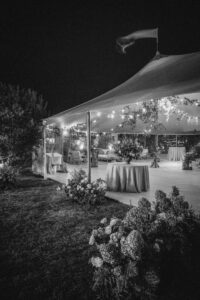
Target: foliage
{"points": [[149, 253], [21, 112], [127, 149], [187, 161], [104, 140], [7, 177], [79, 190]]}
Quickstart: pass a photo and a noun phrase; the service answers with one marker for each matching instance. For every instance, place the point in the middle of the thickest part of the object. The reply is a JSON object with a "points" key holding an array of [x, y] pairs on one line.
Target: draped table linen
{"points": [[122, 177], [176, 153], [54, 161]]}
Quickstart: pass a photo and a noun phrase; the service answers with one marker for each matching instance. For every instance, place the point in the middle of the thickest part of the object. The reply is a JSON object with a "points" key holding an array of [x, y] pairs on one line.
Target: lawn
{"points": [[44, 249]]}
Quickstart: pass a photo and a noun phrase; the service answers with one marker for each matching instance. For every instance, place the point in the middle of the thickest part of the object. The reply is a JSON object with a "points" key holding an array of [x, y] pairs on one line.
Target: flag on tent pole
{"points": [[128, 40]]}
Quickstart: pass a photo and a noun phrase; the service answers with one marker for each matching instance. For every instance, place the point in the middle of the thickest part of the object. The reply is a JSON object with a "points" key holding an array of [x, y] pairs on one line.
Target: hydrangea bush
{"points": [[7, 177], [79, 190], [148, 253]]}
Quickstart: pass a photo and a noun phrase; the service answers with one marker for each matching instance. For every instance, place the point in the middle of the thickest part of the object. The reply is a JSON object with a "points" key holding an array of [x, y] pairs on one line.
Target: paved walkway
{"points": [[163, 178]]}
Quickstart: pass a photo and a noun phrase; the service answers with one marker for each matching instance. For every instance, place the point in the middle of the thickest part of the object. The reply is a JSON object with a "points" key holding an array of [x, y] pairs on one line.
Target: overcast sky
{"points": [[67, 52]]}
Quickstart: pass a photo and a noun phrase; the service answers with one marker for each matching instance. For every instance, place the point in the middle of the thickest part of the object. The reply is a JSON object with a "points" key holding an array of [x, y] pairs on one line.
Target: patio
{"points": [[169, 174]]}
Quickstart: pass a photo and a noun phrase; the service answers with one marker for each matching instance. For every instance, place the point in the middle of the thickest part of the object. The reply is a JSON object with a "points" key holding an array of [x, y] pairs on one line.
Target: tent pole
{"points": [[44, 151], [89, 146], [176, 140], [145, 141], [156, 140]]}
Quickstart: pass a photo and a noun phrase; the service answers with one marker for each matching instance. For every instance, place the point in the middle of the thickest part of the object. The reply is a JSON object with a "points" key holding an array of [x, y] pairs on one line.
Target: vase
{"points": [[128, 160]]}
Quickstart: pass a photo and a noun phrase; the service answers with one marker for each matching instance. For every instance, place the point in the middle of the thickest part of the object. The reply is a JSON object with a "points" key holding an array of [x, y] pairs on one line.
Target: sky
{"points": [[66, 52]]}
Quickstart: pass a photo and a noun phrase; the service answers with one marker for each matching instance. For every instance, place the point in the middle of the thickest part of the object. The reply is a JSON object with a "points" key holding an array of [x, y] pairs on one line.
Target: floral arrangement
{"points": [[147, 252], [128, 150], [79, 190]]}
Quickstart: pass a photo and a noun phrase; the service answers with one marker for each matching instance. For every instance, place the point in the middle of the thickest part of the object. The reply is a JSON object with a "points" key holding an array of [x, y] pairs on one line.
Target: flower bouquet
{"points": [[128, 150]]}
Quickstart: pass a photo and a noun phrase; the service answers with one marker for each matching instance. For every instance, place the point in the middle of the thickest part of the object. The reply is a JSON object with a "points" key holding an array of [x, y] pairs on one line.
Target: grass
{"points": [[44, 249]]}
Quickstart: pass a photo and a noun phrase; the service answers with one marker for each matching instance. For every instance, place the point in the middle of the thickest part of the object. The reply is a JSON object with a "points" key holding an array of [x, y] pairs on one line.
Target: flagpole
{"points": [[157, 51]]}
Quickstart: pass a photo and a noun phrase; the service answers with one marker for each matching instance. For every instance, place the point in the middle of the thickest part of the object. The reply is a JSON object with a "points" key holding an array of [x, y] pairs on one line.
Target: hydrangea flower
{"points": [[108, 253], [92, 240], [97, 262], [114, 221], [108, 229], [132, 245], [115, 237], [162, 216], [156, 247], [103, 221]]}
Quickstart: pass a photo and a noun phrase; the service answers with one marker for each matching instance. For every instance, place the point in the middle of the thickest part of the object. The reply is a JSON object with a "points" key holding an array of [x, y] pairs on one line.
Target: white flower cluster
{"points": [[79, 190]]}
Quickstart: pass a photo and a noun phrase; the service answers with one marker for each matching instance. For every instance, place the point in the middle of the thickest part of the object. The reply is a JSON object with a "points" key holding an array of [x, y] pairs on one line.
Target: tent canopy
{"points": [[162, 77]]}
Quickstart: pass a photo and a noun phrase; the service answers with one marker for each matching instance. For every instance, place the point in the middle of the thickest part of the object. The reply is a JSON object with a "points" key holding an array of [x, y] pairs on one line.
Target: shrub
{"points": [[152, 253], [7, 177], [79, 190]]}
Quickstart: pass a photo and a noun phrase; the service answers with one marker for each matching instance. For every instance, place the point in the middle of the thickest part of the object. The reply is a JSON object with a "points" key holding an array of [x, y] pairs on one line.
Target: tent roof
{"points": [[161, 77]]}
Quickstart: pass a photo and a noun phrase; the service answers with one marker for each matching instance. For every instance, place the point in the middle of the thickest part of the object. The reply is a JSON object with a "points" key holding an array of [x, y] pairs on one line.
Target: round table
{"points": [[122, 177], [176, 153]]}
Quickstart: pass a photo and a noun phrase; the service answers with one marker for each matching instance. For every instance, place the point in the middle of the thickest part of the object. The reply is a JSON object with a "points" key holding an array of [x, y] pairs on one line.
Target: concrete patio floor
{"points": [[170, 173]]}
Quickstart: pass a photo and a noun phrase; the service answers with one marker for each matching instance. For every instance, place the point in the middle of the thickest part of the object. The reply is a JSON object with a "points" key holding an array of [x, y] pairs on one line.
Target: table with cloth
{"points": [[176, 153], [54, 162], [122, 177]]}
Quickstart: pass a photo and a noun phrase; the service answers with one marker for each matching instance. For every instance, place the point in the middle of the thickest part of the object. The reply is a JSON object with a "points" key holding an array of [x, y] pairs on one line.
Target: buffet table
{"points": [[122, 177], [54, 161], [176, 153]]}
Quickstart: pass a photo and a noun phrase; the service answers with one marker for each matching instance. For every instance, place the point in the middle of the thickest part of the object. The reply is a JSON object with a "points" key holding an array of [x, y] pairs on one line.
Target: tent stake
{"points": [[89, 146]]}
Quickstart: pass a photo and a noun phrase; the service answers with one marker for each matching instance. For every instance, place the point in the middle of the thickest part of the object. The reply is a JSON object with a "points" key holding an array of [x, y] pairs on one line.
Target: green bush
{"points": [[7, 177], [153, 253], [79, 190]]}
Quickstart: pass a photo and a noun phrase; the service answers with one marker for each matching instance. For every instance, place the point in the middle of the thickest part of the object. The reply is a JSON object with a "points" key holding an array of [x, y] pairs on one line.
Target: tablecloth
{"points": [[176, 153], [122, 177]]}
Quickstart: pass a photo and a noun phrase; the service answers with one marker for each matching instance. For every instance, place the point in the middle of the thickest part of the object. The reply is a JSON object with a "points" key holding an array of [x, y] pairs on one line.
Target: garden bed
{"points": [[44, 242]]}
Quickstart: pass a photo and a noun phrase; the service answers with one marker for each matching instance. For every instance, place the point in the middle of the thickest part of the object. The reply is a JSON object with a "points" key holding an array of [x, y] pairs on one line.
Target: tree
{"points": [[21, 113]]}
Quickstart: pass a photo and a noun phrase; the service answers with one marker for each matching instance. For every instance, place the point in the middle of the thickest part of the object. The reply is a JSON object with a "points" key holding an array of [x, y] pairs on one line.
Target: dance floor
{"points": [[163, 178]]}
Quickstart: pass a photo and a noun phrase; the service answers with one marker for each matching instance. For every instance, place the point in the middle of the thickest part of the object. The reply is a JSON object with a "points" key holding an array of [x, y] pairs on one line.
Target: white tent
{"points": [[163, 76]]}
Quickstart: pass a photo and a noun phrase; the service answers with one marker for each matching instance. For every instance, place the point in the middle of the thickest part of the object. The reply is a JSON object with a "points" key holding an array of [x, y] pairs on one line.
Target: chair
{"points": [[144, 154]]}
